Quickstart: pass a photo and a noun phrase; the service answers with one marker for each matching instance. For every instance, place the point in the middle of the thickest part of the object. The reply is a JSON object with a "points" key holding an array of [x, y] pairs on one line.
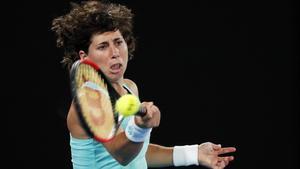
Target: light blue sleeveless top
{"points": [[91, 154]]}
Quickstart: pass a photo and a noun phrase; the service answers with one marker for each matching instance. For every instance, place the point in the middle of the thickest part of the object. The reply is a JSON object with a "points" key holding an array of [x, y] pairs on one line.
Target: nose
{"points": [[115, 52]]}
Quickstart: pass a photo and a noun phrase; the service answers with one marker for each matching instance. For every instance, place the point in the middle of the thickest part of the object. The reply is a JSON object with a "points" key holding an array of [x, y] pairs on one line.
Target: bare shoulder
{"points": [[74, 124], [132, 86]]}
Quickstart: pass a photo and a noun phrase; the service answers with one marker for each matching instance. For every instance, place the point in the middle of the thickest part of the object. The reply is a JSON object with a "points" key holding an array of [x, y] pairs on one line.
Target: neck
{"points": [[118, 86]]}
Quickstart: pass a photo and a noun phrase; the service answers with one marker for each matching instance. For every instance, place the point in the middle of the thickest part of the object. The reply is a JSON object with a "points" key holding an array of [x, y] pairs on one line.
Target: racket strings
{"points": [[87, 73], [95, 101]]}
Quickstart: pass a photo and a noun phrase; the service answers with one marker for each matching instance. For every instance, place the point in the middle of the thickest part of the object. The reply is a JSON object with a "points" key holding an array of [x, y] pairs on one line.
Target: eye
{"points": [[102, 47], [119, 42]]}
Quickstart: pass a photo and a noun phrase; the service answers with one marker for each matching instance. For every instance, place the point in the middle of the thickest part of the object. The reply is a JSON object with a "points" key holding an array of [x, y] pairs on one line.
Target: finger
{"points": [[227, 162], [156, 115], [149, 112], [148, 115], [216, 146], [155, 108], [222, 164], [230, 158], [219, 165], [226, 159], [146, 104], [227, 150]]}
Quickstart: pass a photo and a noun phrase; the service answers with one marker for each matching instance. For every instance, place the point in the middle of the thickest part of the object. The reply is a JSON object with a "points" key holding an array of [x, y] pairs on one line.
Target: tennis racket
{"points": [[94, 99]]}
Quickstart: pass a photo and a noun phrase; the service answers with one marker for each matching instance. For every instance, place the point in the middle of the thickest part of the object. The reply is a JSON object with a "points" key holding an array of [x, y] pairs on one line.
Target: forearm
{"points": [[122, 149], [159, 156]]}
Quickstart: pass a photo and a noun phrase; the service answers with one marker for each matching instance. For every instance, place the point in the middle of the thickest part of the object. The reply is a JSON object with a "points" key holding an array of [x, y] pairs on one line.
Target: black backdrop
{"points": [[220, 71]]}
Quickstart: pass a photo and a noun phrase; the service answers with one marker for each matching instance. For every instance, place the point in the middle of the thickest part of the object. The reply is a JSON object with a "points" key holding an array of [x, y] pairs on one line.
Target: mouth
{"points": [[116, 68]]}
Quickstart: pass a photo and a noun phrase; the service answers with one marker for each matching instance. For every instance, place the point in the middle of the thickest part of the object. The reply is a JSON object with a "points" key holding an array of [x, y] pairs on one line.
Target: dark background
{"points": [[220, 71]]}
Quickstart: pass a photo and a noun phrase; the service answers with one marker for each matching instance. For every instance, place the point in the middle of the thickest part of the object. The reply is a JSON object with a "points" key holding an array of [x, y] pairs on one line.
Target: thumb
{"points": [[216, 146]]}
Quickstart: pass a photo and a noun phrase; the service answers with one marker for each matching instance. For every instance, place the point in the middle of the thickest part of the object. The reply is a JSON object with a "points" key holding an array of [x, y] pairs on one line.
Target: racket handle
{"points": [[142, 112]]}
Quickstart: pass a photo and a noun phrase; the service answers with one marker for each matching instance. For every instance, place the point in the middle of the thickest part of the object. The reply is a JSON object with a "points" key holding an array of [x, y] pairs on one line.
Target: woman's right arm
{"points": [[121, 148]]}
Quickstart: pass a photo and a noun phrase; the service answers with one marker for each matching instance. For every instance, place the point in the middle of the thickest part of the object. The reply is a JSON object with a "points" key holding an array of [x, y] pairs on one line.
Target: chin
{"points": [[115, 78]]}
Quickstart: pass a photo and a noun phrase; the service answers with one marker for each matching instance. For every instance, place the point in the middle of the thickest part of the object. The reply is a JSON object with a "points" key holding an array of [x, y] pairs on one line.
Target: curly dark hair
{"points": [[75, 29]]}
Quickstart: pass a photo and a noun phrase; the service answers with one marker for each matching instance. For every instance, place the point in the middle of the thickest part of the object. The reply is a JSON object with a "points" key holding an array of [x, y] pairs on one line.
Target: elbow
{"points": [[124, 160], [124, 163]]}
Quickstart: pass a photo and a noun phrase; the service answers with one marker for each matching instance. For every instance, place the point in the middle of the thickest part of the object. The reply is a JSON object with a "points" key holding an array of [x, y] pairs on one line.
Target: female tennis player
{"points": [[102, 32]]}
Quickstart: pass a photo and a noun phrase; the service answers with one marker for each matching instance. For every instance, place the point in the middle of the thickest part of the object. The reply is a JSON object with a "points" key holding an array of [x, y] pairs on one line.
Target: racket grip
{"points": [[142, 111]]}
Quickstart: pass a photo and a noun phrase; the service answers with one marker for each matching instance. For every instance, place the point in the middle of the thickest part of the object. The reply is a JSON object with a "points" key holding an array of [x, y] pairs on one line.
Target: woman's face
{"points": [[109, 51]]}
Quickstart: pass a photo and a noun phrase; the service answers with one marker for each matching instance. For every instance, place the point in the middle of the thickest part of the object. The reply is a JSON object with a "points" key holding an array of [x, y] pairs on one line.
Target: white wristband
{"points": [[136, 133], [185, 155]]}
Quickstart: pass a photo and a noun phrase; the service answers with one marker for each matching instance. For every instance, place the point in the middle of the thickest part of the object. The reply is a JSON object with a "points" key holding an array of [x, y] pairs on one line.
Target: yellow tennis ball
{"points": [[128, 105]]}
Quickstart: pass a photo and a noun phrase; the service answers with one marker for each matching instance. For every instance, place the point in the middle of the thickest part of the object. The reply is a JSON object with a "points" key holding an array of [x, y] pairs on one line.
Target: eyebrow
{"points": [[105, 42], [102, 43], [117, 38]]}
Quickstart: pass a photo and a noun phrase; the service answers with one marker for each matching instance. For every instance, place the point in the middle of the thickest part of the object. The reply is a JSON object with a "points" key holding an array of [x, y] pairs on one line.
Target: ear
{"points": [[82, 54]]}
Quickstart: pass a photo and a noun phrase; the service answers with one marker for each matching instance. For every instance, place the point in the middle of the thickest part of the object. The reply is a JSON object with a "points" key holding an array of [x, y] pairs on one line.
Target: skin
{"points": [[208, 155], [109, 51]]}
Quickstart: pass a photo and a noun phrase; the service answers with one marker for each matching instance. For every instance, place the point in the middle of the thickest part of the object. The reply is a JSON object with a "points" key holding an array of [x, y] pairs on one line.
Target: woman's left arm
{"points": [[206, 154], [159, 156]]}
